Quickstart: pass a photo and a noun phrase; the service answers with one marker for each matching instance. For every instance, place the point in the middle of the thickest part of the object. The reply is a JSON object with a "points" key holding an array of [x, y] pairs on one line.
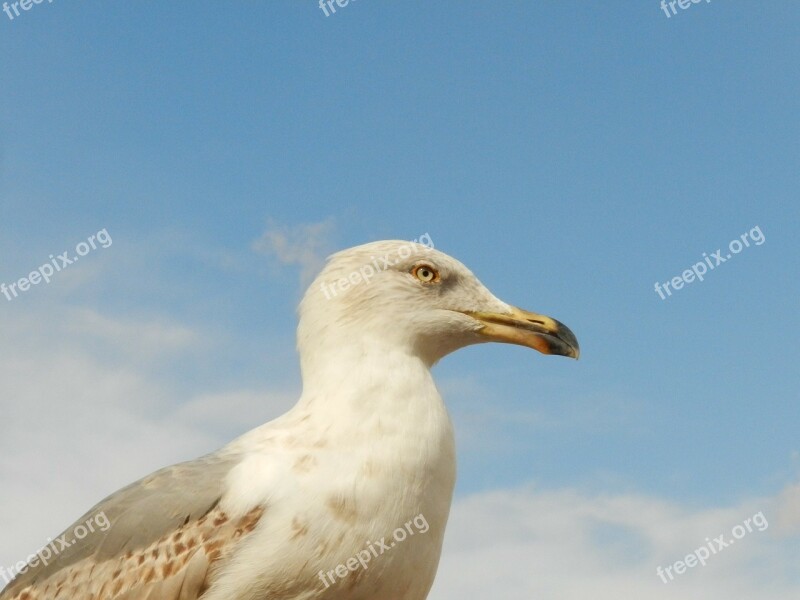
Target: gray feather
{"points": [[140, 514]]}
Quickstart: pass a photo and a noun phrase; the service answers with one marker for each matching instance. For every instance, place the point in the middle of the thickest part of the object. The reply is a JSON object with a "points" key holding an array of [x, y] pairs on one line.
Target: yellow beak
{"points": [[532, 330]]}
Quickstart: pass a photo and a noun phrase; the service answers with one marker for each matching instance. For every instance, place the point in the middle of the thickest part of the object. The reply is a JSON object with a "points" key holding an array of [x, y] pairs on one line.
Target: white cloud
{"points": [[787, 513], [152, 337], [565, 545], [234, 411], [306, 245]]}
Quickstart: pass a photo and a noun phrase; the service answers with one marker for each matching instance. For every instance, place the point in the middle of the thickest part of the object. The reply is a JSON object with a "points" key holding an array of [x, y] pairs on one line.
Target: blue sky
{"points": [[571, 154]]}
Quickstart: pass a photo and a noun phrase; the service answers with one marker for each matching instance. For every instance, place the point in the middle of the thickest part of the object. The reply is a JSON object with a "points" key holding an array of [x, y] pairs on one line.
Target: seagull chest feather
{"points": [[353, 468]]}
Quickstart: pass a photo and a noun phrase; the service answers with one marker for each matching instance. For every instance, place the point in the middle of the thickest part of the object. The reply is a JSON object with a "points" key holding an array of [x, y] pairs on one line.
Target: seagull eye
{"points": [[425, 273]]}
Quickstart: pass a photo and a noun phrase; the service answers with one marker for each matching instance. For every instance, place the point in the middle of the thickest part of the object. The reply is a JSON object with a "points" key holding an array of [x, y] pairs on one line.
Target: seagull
{"points": [[344, 497]]}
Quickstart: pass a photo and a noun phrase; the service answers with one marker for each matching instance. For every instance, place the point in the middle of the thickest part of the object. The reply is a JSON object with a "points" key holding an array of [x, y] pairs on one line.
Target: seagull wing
{"points": [[161, 537]]}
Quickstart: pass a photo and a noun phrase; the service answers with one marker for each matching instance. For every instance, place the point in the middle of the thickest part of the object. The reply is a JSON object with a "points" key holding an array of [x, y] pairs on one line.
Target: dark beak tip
{"points": [[568, 339]]}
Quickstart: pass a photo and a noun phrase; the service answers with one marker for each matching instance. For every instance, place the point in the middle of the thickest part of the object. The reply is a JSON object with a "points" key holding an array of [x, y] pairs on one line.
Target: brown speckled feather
{"points": [[167, 534]]}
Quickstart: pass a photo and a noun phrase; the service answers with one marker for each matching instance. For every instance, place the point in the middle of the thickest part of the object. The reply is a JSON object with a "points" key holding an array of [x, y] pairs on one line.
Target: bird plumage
{"points": [[368, 447]]}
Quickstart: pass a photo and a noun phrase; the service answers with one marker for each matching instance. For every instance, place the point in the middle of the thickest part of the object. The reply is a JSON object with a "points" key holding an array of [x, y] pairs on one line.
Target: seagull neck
{"points": [[368, 372]]}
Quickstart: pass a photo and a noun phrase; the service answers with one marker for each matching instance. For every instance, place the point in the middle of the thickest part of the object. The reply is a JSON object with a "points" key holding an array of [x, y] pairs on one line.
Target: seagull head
{"points": [[417, 298]]}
